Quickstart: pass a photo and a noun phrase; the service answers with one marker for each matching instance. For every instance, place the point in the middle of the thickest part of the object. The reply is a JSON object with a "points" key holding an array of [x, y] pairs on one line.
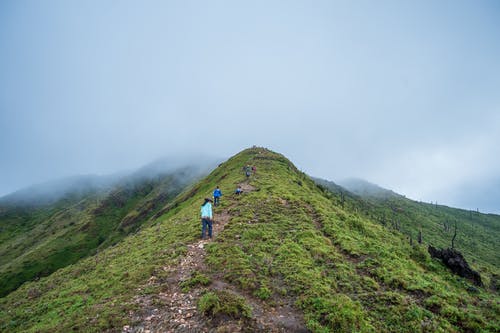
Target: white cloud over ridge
{"points": [[401, 94]]}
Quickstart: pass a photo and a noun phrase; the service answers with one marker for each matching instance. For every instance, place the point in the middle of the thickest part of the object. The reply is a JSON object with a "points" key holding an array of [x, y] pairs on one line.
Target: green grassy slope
{"points": [[35, 242], [477, 233], [287, 240]]}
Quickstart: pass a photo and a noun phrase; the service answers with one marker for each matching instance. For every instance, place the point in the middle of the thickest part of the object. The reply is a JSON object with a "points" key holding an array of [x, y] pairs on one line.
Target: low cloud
{"points": [[343, 90]]}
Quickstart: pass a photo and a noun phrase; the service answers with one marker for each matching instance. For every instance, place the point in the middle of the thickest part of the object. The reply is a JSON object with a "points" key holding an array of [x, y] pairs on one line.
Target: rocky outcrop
{"points": [[455, 261]]}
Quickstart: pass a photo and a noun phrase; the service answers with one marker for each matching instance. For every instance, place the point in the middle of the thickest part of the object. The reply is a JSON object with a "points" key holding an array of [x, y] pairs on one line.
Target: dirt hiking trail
{"points": [[172, 310]]}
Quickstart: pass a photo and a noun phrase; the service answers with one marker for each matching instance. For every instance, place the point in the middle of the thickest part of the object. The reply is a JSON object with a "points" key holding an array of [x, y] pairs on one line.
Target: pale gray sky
{"points": [[404, 94]]}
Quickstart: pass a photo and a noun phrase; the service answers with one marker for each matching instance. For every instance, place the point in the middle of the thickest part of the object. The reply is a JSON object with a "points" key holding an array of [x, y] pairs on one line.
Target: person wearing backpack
{"points": [[206, 218], [238, 190], [217, 195], [248, 171]]}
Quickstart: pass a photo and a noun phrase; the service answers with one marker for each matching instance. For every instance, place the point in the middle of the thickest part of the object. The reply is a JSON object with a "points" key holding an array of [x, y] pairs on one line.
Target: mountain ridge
{"points": [[287, 243], [38, 238], [365, 188]]}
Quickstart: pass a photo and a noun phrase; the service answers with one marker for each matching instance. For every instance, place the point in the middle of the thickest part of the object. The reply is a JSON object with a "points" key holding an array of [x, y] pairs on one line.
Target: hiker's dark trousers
{"points": [[206, 223], [216, 201]]}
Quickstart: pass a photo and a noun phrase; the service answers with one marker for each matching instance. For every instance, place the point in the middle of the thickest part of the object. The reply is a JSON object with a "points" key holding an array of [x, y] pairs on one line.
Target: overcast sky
{"points": [[405, 94]]}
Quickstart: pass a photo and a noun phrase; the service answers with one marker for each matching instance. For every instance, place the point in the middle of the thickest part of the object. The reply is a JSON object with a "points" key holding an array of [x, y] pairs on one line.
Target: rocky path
{"points": [[172, 310]]}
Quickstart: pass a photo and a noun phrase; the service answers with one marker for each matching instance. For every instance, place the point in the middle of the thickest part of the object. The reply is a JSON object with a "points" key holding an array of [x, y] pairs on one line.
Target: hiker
{"points": [[217, 195], [206, 218], [238, 190], [254, 169], [248, 171]]}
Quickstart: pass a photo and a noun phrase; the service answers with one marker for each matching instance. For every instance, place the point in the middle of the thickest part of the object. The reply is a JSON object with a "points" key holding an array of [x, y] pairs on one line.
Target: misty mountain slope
{"points": [[38, 240], [366, 189], [477, 233], [67, 189], [285, 244]]}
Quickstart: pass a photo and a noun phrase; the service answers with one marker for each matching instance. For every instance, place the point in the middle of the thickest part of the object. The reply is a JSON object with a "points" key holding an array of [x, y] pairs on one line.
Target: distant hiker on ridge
{"points": [[217, 195], [206, 218], [238, 190], [248, 170]]}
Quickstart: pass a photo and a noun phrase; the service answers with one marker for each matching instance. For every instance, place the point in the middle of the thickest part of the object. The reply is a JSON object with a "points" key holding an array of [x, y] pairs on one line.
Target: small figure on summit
{"points": [[217, 195], [206, 218]]}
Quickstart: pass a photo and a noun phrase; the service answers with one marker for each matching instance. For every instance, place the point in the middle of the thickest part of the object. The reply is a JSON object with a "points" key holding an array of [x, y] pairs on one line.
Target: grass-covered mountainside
{"points": [[38, 236], [477, 234], [286, 256]]}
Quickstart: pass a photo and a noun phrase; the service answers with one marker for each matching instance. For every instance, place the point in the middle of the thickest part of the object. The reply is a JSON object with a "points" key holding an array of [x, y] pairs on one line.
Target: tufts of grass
{"points": [[219, 302], [196, 279], [338, 314]]}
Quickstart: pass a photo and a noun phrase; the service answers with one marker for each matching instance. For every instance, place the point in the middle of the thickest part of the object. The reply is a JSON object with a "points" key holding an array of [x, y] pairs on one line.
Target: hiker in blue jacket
{"points": [[206, 218], [217, 195], [239, 190]]}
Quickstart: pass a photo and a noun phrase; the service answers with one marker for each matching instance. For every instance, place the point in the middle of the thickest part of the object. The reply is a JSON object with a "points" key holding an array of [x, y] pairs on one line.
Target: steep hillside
{"points": [[477, 233], [36, 239], [285, 257]]}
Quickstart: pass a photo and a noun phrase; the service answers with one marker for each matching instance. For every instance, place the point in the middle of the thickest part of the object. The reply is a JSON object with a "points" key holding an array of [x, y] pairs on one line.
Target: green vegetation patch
{"points": [[196, 279], [337, 314], [219, 302]]}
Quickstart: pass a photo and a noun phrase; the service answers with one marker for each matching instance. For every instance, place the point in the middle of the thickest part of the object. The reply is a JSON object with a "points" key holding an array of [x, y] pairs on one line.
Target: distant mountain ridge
{"points": [[364, 188], [78, 186], [48, 226], [51, 191]]}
